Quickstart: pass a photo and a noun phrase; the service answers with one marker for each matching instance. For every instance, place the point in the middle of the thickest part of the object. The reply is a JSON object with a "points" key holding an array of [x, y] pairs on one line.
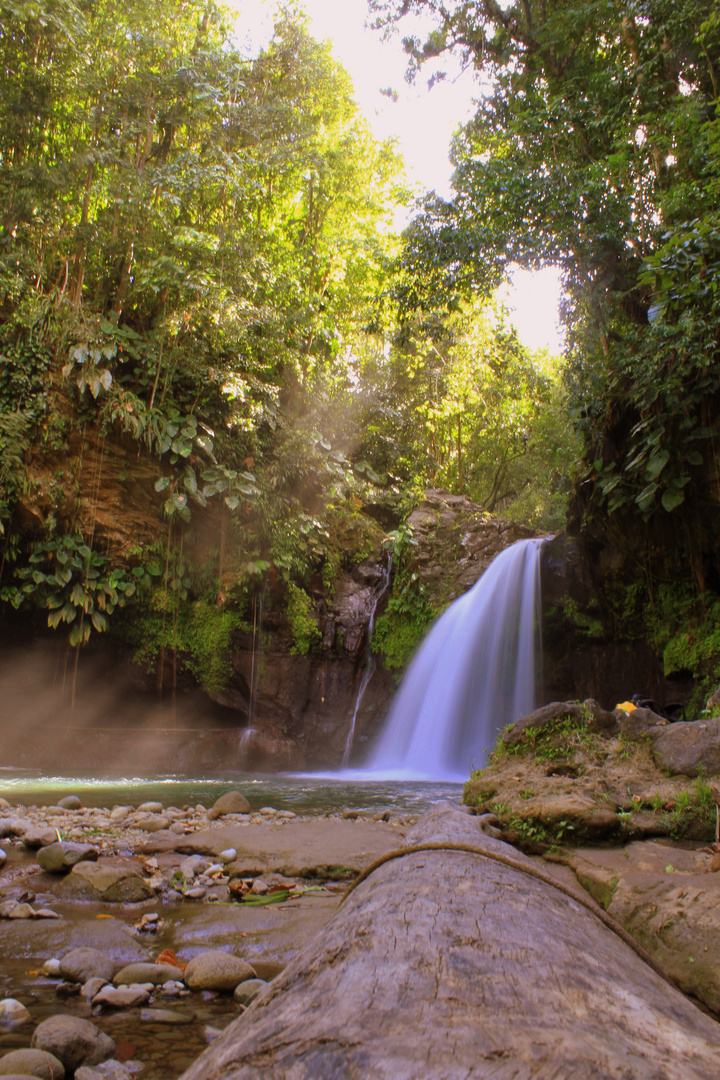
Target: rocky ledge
{"points": [[627, 805]]}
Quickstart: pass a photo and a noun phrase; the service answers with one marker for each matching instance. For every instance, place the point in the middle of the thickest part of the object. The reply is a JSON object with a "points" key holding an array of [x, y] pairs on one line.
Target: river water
{"points": [[304, 794]]}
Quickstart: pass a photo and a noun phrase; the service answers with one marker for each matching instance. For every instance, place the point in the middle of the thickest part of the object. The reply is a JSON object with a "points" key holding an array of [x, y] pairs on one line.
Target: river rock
{"points": [[92, 987], [112, 882], [689, 749], [106, 1070], [3, 858], [217, 970], [34, 838], [82, 964], [193, 865], [32, 1063], [232, 802], [246, 991], [153, 824], [157, 974], [13, 826], [167, 1016], [21, 911], [63, 854], [74, 1041], [120, 813], [150, 808], [70, 802], [121, 997], [13, 1012]]}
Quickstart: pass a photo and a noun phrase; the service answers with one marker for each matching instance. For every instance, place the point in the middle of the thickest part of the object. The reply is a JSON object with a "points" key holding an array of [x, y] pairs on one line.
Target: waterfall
{"points": [[369, 662], [473, 674]]}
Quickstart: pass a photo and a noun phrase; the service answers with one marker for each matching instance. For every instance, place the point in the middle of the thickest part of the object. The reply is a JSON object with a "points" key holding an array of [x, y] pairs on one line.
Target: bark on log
{"points": [[446, 965]]}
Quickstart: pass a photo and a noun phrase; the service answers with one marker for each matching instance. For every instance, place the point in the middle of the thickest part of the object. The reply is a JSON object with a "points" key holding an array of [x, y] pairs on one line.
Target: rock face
{"points": [[456, 542], [582, 652]]}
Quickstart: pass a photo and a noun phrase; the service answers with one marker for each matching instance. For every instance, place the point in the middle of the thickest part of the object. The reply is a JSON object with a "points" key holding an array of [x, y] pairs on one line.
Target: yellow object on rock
{"points": [[626, 706]]}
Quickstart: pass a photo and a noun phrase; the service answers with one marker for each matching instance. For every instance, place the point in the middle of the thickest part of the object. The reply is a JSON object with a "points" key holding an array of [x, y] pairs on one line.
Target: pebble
{"points": [[227, 855], [121, 997], [246, 991], [70, 802], [3, 858], [52, 968], [150, 808]]}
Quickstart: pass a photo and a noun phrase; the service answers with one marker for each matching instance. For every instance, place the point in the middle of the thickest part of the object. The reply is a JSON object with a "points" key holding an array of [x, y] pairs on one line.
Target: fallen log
{"points": [[446, 964]]}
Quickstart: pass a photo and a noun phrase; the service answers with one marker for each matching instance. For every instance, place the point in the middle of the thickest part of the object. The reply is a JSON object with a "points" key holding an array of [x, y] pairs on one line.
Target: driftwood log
{"points": [[449, 964]]}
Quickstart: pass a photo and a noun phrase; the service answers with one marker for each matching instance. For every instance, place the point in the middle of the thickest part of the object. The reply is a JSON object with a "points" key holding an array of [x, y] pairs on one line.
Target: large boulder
{"points": [[690, 749], [74, 1041]]}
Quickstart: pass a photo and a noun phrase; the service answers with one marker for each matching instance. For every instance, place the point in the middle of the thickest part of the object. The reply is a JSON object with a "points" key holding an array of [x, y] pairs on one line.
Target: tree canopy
{"points": [[594, 147]]}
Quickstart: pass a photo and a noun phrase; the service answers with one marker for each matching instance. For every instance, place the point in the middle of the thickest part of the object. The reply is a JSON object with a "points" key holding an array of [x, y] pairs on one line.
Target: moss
{"points": [[300, 612]]}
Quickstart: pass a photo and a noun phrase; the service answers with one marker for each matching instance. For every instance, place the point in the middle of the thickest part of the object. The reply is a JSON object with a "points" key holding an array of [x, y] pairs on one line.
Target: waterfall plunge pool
{"points": [[306, 794]]}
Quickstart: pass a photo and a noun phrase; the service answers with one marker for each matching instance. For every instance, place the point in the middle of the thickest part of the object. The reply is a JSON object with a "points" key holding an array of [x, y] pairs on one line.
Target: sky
{"points": [[422, 120]]}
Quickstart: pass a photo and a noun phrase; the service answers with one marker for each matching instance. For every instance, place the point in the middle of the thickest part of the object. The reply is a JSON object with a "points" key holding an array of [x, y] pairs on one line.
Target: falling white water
{"points": [[473, 674]]}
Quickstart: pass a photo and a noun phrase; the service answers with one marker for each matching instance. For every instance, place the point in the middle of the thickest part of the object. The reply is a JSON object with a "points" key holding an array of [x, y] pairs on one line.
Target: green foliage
{"points": [[594, 147], [207, 634], [306, 635], [405, 621], [465, 407], [77, 584], [685, 631], [588, 625]]}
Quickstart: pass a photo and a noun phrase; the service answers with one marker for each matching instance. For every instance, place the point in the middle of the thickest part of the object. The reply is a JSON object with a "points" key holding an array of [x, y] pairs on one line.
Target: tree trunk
{"points": [[447, 965]]}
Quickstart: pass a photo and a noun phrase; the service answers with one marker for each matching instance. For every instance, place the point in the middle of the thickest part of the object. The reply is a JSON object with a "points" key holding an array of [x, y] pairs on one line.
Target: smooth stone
{"points": [[259, 887], [157, 974], [150, 808], [167, 1016], [74, 1041], [232, 802], [106, 1070], [13, 827], [13, 1012], [193, 865], [32, 1063], [7, 907], [217, 970], [4, 804], [63, 854], [113, 884], [22, 911], [196, 893], [36, 838], [93, 986], [228, 855], [154, 824], [52, 967], [46, 913], [82, 964], [121, 997], [119, 813], [246, 991], [70, 802], [3, 858]]}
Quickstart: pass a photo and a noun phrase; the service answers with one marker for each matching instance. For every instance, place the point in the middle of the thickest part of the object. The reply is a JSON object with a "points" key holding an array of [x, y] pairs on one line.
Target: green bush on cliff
{"points": [[300, 612], [404, 623]]}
